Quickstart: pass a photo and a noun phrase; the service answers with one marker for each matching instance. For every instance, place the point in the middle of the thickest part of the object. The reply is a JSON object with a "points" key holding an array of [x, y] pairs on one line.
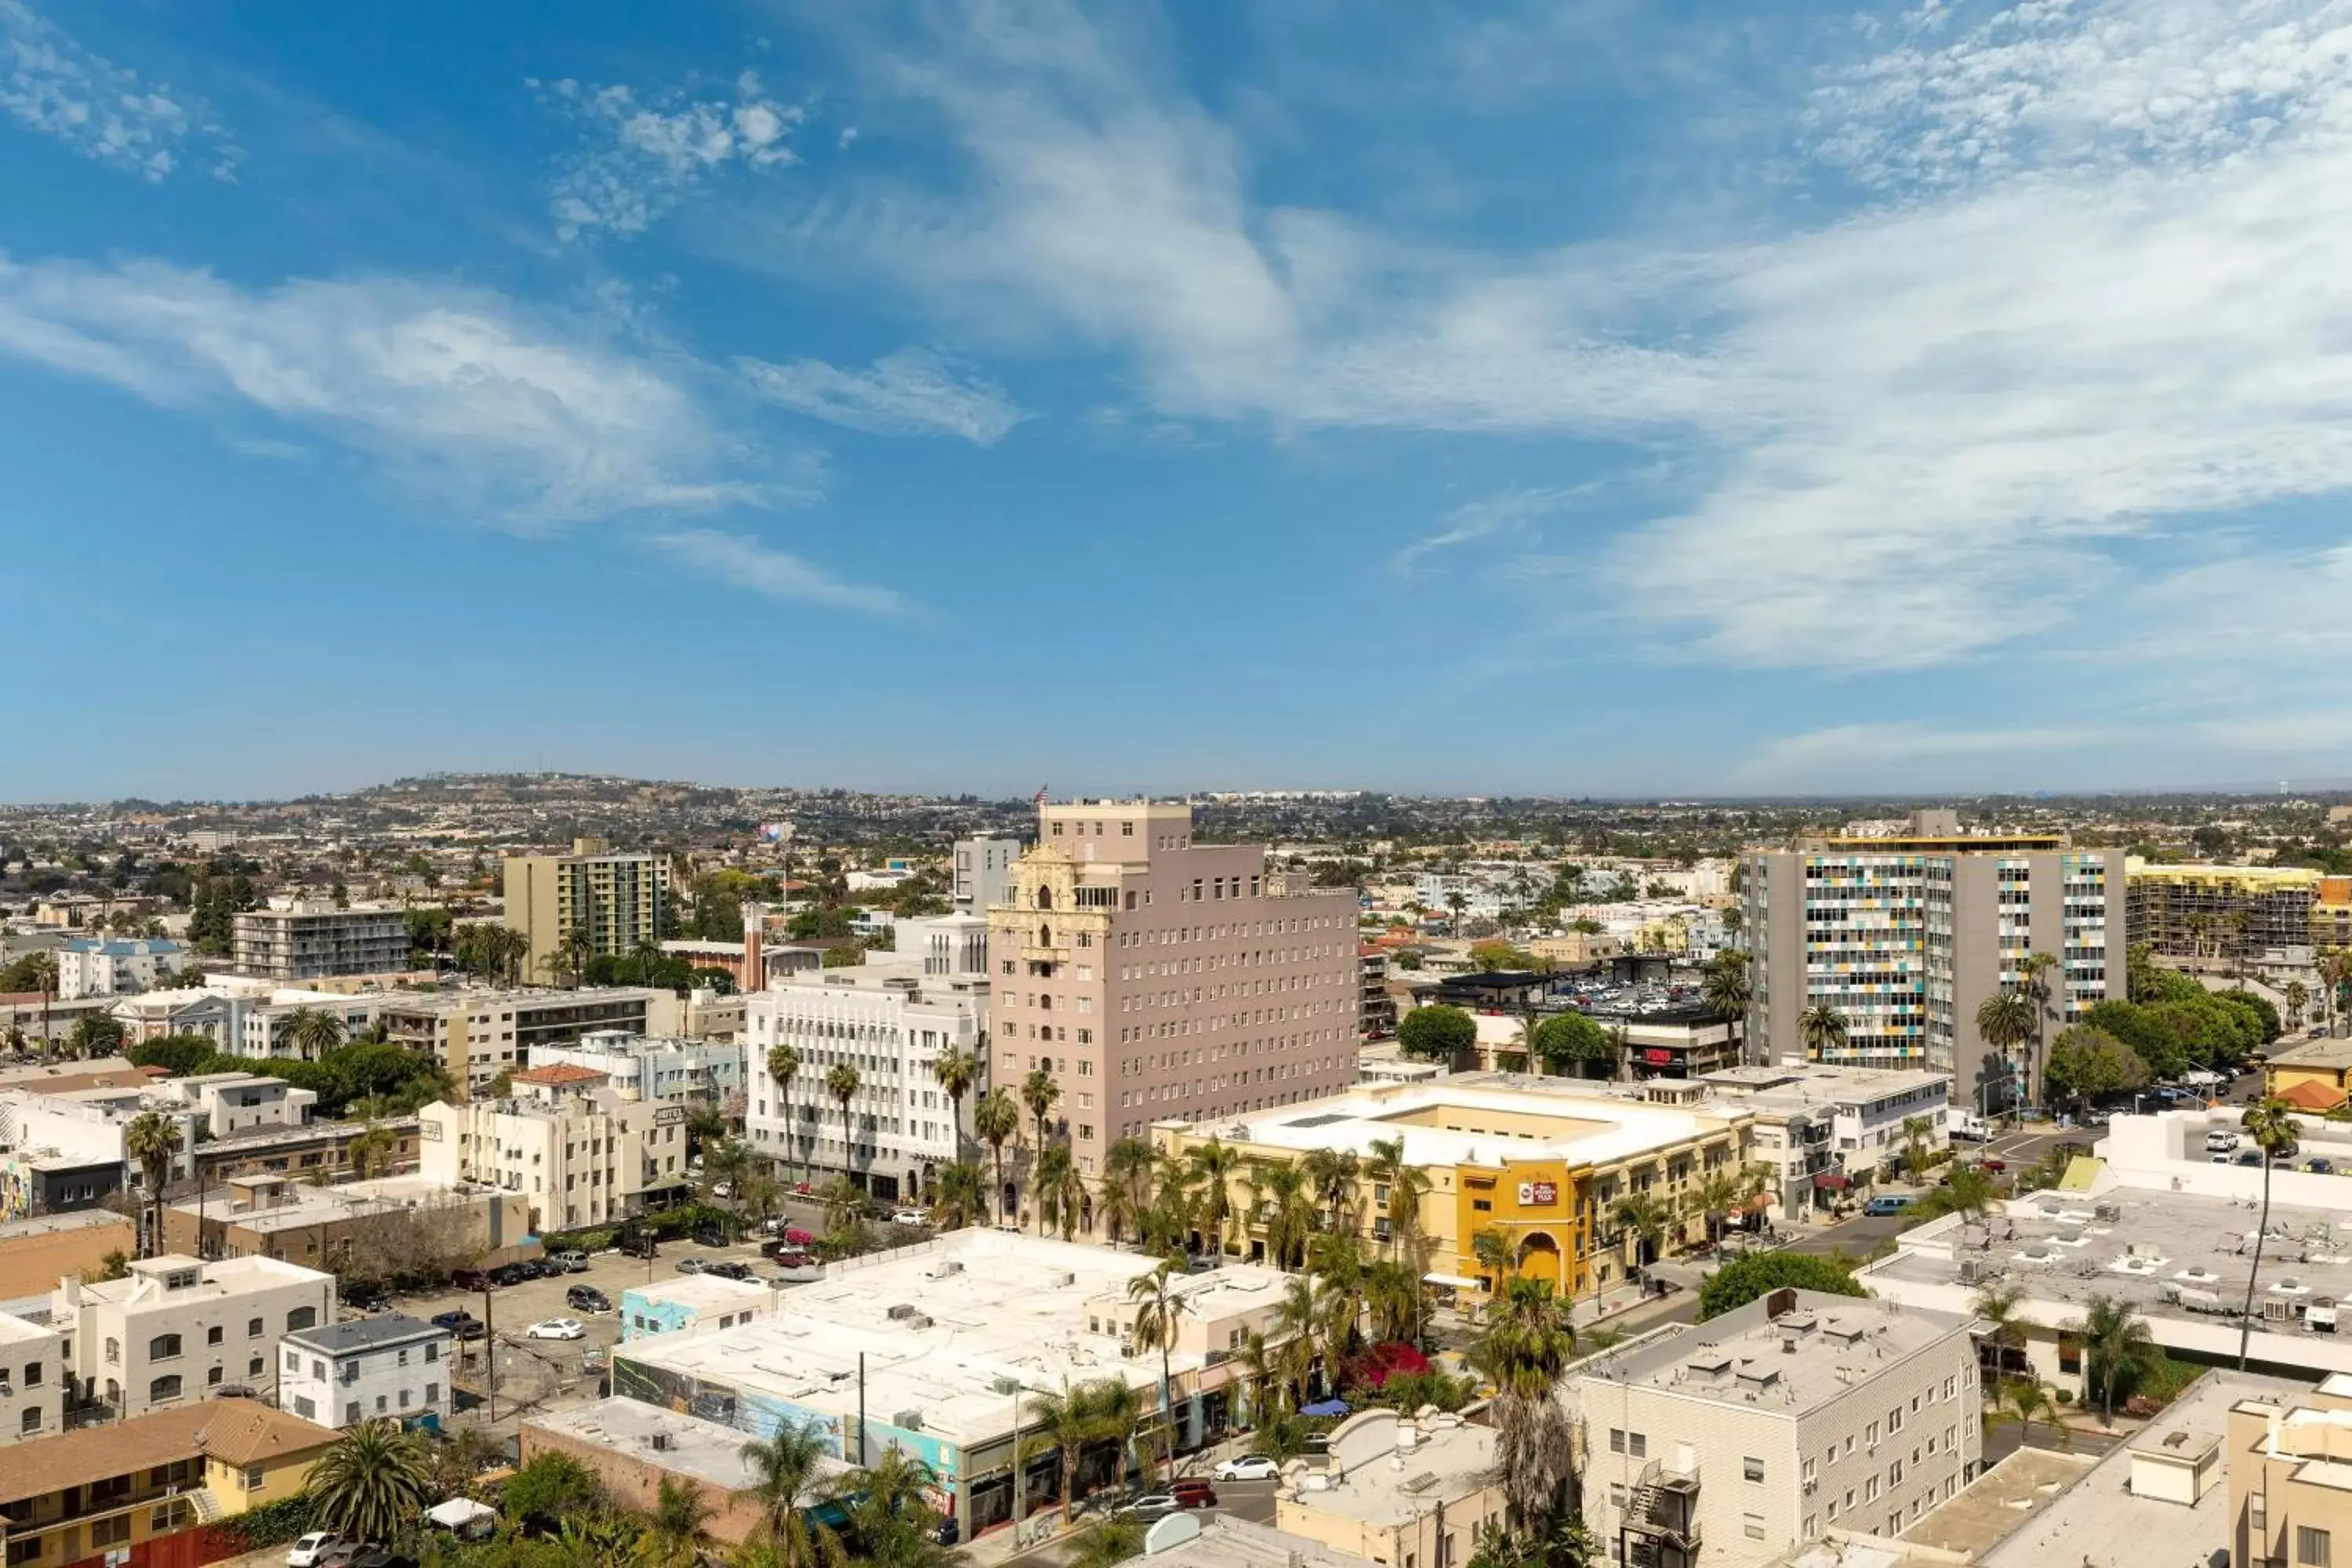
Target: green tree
{"points": [[2117, 1349], [2026, 1402], [1571, 1040], [2006, 1021], [1647, 1219], [1729, 987], [1439, 1033], [783, 1063], [1822, 1028], [2270, 1122], [1058, 1191], [957, 1200], [842, 1083], [787, 1471], [677, 1527], [1039, 1094], [372, 1483], [1406, 1185], [2084, 1064], [95, 1034], [1999, 1307], [313, 1031], [1523, 1352], [1064, 1424], [1210, 1167], [995, 1121], [151, 1141], [958, 1071], [1126, 1190], [1759, 1274], [1160, 1312]]}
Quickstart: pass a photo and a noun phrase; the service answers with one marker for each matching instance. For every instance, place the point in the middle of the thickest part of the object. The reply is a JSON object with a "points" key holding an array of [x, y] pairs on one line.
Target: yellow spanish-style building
{"points": [[1539, 1167]]}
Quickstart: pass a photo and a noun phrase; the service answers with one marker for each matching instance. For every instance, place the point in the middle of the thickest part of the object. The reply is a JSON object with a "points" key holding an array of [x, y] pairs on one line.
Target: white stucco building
{"points": [[566, 1140], [32, 1373], [177, 1329], [339, 1375], [115, 966], [669, 1070], [889, 1019]]}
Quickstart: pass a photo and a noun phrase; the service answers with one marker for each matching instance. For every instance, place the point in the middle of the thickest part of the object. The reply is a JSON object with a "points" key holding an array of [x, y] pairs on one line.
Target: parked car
{"points": [[310, 1551], [1152, 1505], [692, 1265], [2318, 1166], [1247, 1467], [1992, 1167], [587, 1299], [462, 1323], [572, 1262], [2251, 1157], [469, 1279], [1887, 1203], [728, 1268], [722, 1190], [511, 1274], [366, 1557], [1194, 1491], [368, 1299], [949, 1532], [556, 1329], [909, 1217]]}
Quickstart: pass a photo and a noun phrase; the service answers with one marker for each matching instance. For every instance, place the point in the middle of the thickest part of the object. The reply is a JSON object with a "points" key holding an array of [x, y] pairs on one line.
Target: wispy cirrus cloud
{"points": [[1473, 521], [527, 418], [640, 156], [911, 393], [1906, 756], [742, 561], [52, 84]]}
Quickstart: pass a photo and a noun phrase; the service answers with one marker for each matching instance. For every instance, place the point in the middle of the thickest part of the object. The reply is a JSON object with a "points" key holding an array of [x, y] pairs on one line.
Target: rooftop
{"points": [[1221, 1540], [1384, 1472], [1461, 1121], [562, 1073], [296, 1205], [366, 1335], [1819, 1349], [690, 1445], [239, 1431], [221, 1279], [2332, 1054], [1820, 1083], [702, 1292]]}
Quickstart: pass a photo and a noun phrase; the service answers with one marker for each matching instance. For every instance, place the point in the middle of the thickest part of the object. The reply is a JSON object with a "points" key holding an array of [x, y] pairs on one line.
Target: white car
{"points": [[1248, 1467], [311, 1549], [911, 1216], [556, 1329]]}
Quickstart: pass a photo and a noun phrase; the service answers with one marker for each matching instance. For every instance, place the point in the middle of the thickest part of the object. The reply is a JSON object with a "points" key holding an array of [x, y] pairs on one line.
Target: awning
{"points": [[459, 1513], [1325, 1407], [1455, 1281], [1833, 1180]]}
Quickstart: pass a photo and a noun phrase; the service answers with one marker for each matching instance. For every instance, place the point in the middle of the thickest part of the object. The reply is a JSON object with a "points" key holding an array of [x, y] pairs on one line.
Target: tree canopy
{"points": [[1436, 1034], [2087, 1063], [1739, 1282]]}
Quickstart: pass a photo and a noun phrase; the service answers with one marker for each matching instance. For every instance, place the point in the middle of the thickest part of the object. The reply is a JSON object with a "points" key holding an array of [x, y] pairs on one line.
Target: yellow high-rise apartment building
{"points": [[618, 896]]}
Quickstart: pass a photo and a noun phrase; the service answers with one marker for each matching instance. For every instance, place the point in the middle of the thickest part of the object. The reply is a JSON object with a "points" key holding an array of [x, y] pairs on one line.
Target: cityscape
{"points": [[1041, 784]]}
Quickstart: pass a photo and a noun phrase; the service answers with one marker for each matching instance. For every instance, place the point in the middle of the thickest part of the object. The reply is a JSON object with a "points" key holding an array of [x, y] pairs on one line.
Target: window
{"points": [[213, 1335], [1752, 1469], [25, 1551], [162, 1347], [1751, 1525], [32, 1421], [2311, 1546], [432, 1394], [32, 1374], [114, 1352], [253, 1327], [164, 1388], [109, 1532], [350, 1413], [301, 1318]]}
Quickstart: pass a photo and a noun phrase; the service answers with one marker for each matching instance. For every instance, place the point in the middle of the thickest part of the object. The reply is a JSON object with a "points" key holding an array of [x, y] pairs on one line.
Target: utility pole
{"points": [[861, 1409], [489, 1353]]}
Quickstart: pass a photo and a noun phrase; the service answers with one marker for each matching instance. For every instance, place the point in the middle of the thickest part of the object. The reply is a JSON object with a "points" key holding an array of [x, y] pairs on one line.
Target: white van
{"points": [[2220, 1141]]}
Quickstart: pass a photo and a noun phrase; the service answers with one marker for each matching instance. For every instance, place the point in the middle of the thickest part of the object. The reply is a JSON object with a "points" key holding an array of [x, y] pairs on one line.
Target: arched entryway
{"points": [[1540, 1258]]}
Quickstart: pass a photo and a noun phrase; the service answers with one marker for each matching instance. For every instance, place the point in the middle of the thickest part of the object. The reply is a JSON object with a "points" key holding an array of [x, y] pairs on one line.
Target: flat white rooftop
{"points": [[689, 1446]]}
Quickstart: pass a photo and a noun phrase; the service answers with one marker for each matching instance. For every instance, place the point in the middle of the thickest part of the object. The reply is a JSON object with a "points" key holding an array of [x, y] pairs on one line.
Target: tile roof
{"points": [[2312, 1095], [239, 1431], [561, 1073]]}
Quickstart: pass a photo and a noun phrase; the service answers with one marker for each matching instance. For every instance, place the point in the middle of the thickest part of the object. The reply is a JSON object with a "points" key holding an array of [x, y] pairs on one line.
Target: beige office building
{"points": [[1154, 977], [618, 898]]}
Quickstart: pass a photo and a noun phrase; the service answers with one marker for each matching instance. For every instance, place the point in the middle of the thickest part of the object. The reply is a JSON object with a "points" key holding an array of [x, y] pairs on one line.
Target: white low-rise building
{"points": [[565, 1139], [1820, 1125], [116, 966], [32, 1373], [177, 1329], [889, 1019], [394, 1367], [227, 1103], [666, 1070]]}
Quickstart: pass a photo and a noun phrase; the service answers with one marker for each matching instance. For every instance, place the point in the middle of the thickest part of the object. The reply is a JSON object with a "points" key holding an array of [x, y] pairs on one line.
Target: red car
{"points": [[1194, 1491]]}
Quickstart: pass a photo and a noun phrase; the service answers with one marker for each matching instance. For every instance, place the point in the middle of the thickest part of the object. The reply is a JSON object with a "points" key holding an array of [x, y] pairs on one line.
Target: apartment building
{"points": [[391, 1368], [1151, 977], [306, 939], [984, 873], [322, 1226], [581, 1153], [477, 1034], [1732, 1441], [670, 1070], [1905, 935], [889, 1020], [34, 1377], [2285, 1461], [262, 1020], [58, 1132], [2221, 913], [618, 898], [1822, 1128], [177, 1329], [1411, 1493], [1376, 1007], [229, 1103], [115, 966]]}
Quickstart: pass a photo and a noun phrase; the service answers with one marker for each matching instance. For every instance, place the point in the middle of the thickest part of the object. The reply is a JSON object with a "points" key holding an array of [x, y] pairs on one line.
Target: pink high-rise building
{"points": [[1155, 977]]}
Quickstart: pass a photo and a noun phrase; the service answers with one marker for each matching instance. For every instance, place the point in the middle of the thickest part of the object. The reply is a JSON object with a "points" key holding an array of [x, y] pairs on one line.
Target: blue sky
{"points": [[1608, 396]]}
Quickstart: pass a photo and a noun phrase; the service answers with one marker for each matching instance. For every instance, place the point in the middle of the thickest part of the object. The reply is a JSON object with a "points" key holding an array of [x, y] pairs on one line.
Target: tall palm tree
{"points": [[891, 1517], [2033, 983], [677, 1527], [786, 1470], [1647, 1219], [1064, 1424], [1718, 1196], [372, 1483], [957, 1200], [43, 976], [958, 1071], [784, 1062], [1039, 1093], [1260, 1373], [1914, 1144], [1126, 1188], [1211, 1165], [1525, 1350], [313, 1033], [578, 948], [2006, 1021], [1160, 1312], [995, 1120], [1281, 1207], [1822, 1029], [1300, 1322], [2270, 1122], [1392, 1296], [1490, 1247], [1331, 1178], [1729, 990], [1407, 1184], [1058, 1191], [1997, 1307], [2299, 997], [842, 1084], [2116, 1349], [151, 1140], [370, 1153]]}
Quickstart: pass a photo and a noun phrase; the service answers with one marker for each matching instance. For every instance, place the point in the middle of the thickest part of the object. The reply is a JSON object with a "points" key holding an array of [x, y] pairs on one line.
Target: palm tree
{"points": [[842, 1083], [1406, 1186], [785, 1470], [1300, 1322], [1914, 1144], [1822, 1028], [1730, 989], [995, 1120], [577, 949], [370, 1483], [1718, 1197], [1108, 1541], [783, 1063], [1126, 1188], [1647, 1219], [2024, 1401], [1212, 1165], [1065, 1423], [2033, 983], [370, 1153], [1392, 1296], [1280, 1207], [1260, 1373], [1039, 1092], [958, 1071], [677, 1527], [2270, 1122], [153, 1138], [2299, 997], [892, 1519], [1997, 1307], [1491, 1247], [2005, 1021], [2116, 1348], [1331, 1178], [1525, 1348], [1058, 1191], [43, 976], [1159, 1311], [313, 1033], [957, 1200]]}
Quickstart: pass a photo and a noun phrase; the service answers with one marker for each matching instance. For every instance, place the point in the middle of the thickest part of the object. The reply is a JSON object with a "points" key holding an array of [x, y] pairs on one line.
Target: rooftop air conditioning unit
{"points": [[661, 1442], [904, 1309], [907, 1420]]}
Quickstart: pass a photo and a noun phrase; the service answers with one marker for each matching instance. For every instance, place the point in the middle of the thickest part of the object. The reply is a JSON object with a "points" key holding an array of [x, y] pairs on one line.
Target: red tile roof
{"points": [[2312, 1095], [561, 1073]]}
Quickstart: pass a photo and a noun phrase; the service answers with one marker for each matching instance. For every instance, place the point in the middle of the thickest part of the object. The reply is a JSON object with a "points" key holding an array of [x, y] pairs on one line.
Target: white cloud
{"points": [[51, 84], [911, 393], [1883, 755], [1472, 521], [2103, 300], [640, 158], [742, 561], [455, 390]]}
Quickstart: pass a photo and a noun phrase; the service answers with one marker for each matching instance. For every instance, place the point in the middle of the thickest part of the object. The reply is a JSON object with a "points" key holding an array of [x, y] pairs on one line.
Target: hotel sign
{"points": [[1537, 1194], [669, 1115]]}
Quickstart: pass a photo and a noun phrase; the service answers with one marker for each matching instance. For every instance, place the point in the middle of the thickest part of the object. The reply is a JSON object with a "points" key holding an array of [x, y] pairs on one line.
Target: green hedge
{"points": [[271, 1524], [667, 1226]]}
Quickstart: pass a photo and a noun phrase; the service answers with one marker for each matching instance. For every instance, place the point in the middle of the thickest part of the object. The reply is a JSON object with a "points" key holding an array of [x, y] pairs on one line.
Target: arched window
{"points": [[1045, 898], [1045, 936], [164, 1388], [162, 1347], [301, 1318]]}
